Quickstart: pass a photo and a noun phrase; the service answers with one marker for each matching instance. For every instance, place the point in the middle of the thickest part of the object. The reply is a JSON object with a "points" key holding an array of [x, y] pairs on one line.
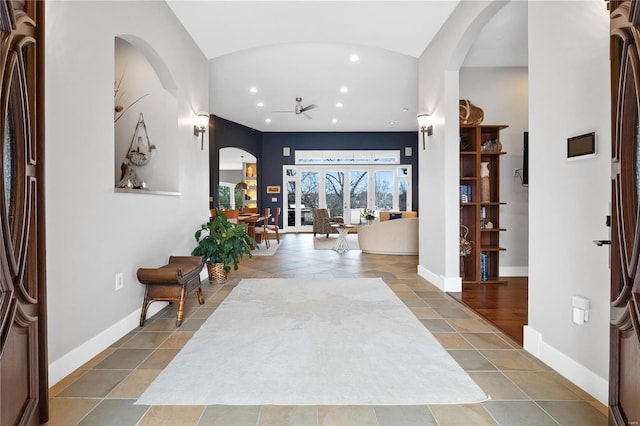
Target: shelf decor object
{"points": [[485, 181], [250, 185], [480, 203]]}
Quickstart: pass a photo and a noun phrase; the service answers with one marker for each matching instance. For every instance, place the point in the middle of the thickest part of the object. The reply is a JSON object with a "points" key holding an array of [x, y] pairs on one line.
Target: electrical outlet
{"points": [[119, 281]]}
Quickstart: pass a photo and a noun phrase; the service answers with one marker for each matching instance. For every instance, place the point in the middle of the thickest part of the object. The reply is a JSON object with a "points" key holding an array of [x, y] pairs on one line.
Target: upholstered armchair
{"points": [[322, 222]]}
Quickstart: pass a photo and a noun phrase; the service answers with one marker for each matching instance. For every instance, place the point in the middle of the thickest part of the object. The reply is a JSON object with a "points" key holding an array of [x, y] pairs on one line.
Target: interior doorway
{"points": [[238, 185]]}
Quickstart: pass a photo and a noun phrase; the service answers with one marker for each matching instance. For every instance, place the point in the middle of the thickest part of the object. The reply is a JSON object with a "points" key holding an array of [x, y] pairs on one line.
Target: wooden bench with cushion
{"points": [[171, 282]]}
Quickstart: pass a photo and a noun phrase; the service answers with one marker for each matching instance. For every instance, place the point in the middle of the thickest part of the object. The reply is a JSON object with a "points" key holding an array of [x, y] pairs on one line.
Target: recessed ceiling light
{"points": [[344, 90], [260, 104], [392, 123], [354, 58], [268, 120], [405, 109], [335, 120], [253, 90], [339, 105]]}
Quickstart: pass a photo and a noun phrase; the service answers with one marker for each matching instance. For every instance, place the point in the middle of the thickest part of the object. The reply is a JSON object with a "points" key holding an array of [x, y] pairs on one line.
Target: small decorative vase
{"points": [[462, 267], [485, 185]]}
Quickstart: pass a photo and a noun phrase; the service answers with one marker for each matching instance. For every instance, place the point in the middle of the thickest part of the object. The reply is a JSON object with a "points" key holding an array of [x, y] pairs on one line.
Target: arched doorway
{"points": [[237, 188]]}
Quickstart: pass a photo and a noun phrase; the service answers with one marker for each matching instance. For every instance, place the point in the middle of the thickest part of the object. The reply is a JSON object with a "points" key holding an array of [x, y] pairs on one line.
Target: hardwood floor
{"points": [[505, 306]]}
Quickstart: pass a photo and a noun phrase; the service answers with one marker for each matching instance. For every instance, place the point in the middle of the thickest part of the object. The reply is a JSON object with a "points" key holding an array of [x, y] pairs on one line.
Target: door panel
{"points": [[23, 361], [384, 190], [624, 371], [358, 195], [334, 192]]}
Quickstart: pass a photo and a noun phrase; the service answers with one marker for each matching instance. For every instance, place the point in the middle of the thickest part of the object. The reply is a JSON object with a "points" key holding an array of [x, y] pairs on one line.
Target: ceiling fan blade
{"points": [[308, 107], [307, 115]]}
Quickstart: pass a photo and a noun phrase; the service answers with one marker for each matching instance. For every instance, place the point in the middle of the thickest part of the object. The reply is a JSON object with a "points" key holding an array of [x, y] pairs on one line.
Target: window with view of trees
{"points": [[224, 196], [310, 189], [384, 190], [335, 193]]}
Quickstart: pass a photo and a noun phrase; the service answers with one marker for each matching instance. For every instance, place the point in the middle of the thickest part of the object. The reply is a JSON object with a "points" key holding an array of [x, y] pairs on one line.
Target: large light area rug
{"points": [[262, 250], [312, 342]]}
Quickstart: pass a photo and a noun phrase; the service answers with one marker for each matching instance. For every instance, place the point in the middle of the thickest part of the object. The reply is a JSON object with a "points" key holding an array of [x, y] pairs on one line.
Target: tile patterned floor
{"points": [[523, 390]]}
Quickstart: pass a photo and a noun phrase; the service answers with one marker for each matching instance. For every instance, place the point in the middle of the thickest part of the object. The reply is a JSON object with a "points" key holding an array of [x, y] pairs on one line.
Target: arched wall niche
{"points": [[145, 119], [154, 60]]}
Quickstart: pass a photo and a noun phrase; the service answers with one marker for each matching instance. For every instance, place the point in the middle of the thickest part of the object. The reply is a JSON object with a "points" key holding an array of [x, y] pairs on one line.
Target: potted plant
{"points": [[222, 243], [368, 215]]}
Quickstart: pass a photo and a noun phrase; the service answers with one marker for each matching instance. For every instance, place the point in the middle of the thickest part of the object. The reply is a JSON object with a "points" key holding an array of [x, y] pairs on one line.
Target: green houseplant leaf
{"points": [[221, 241]]}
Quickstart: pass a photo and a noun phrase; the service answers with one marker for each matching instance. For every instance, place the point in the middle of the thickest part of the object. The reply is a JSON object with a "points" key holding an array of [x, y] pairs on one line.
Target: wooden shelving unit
{"points": [[250, 172], [484, 232]]}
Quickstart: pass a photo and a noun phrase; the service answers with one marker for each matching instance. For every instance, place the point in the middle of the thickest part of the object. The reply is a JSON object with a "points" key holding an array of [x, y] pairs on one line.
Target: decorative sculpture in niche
{"points": [[470, 114], [138, 154], [142, 82]]}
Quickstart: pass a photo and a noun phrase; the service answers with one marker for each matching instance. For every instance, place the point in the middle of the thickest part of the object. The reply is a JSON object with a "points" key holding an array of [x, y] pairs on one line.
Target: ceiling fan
{"points": [[299, 109]]}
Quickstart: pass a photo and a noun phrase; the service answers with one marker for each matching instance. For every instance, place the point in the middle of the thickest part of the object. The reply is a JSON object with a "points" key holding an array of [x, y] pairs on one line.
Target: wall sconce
{"points": [[424, 121], [202, 122]]}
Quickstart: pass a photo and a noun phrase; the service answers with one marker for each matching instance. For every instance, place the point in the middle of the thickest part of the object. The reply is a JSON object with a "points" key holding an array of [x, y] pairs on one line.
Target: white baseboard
{"points": [[578, 374], [71, 361], [514, 271], [447, 284]]}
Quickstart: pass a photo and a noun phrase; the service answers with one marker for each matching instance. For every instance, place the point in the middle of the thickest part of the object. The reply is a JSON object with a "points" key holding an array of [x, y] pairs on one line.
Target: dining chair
{"points": [[233, 216], [262, 232], [275, 227]]}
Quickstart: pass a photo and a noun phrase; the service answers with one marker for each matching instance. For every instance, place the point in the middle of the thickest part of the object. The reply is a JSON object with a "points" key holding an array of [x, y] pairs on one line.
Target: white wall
{"points": [[502, 93], [568, 201], [439, 94], [93, 232]]}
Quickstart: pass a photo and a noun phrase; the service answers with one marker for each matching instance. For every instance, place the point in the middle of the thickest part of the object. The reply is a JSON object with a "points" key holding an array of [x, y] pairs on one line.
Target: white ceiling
{"points": [[289, 49]]}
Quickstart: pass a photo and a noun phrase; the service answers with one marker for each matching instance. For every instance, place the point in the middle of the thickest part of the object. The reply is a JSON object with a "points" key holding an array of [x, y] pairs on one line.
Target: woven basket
{"points": [[217, 273]]}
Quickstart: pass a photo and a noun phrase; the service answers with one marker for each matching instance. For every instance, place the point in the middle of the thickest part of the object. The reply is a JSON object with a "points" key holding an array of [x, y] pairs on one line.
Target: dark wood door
{"points": [[23, 361], [624, 371]]}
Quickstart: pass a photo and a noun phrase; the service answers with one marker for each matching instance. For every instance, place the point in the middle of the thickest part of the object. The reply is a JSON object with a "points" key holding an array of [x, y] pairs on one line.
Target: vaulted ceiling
{"points": [[265, 54]]}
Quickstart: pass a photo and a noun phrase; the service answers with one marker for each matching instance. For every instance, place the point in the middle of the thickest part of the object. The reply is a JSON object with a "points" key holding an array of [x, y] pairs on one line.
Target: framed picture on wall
{"points": [[273, 189]]}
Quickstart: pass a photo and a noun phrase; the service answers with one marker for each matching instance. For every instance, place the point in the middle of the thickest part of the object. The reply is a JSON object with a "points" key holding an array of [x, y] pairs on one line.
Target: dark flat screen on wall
{"points": [[579, 146]]}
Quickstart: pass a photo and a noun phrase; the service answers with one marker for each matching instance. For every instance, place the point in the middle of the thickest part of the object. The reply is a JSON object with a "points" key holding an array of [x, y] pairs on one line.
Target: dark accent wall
{"points": [[272, 159], [267, 148], [227, 134]]}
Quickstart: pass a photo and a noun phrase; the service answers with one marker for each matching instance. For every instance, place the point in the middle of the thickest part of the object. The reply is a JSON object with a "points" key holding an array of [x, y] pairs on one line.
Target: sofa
{"points": [[398, 236]]}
